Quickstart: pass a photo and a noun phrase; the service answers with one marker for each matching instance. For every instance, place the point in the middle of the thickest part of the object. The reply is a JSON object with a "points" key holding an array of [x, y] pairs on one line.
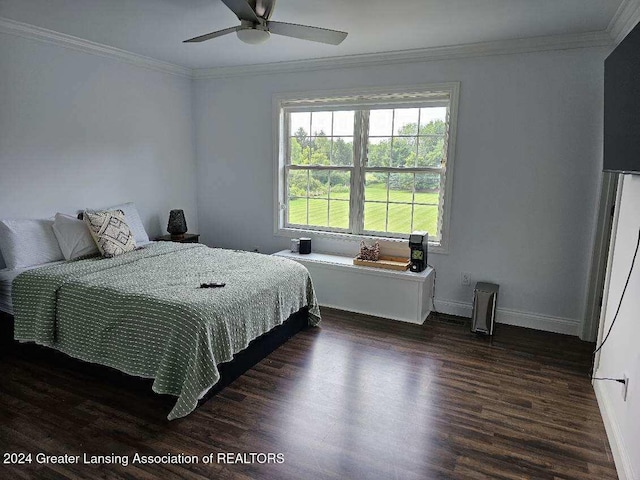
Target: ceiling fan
{"points": [[255, 26]]}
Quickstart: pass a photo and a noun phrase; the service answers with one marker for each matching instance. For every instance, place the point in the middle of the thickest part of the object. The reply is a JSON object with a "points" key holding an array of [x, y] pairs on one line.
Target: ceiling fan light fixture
{"points": [[253, 36]]}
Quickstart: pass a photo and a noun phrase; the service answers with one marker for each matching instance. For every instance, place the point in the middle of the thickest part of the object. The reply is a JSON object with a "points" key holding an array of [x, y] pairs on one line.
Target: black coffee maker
{"points": [[418, 245]]}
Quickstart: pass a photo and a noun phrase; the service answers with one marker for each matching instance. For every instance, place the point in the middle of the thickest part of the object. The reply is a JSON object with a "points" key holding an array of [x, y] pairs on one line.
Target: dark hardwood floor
{"points": [[359, 398]]}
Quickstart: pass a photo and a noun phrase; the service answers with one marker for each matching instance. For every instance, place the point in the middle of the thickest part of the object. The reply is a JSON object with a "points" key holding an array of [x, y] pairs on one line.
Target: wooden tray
{"points": [[389, 263]]}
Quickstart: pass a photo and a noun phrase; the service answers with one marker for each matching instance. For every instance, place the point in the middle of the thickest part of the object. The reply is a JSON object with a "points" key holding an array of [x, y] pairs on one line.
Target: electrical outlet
{"points": [[465, 279], [625, 387]]}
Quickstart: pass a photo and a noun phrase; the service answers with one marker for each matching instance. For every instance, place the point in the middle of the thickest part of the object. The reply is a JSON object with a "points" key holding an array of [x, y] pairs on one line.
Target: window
{"points": [[370, 164]]}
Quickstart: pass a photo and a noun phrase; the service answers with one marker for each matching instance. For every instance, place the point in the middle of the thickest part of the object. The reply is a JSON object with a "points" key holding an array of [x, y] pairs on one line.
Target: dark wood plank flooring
{"points": [[359, 398]]}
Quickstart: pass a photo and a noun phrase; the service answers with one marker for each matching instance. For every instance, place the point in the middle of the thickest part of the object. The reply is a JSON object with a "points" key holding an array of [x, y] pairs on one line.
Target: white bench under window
{"points": [[404, 296]]}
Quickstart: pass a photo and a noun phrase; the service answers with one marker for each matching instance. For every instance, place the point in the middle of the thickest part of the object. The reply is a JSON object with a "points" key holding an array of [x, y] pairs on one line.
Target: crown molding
{"points": [[627, 16], [12, 27], [503, 47]]}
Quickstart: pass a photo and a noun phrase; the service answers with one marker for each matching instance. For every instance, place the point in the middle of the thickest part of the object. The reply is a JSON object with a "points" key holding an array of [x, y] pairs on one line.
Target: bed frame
{"points": [[6, 331], [257, 350]]}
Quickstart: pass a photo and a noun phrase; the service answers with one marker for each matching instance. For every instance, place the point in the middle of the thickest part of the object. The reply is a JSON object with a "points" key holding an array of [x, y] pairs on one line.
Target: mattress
{"points": [[6, 279]]}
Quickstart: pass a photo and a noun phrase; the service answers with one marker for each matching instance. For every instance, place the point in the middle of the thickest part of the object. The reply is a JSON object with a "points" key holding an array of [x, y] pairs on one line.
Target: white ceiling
{"points": [[156, 28]]}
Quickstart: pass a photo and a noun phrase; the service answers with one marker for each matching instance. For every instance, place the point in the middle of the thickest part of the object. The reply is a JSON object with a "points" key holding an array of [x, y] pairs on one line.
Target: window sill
{"points": [[389, 245], [342, 262]]}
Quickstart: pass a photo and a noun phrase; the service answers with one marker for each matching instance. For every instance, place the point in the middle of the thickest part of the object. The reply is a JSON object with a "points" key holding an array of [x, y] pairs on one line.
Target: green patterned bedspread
{"points": [[143, 312]]}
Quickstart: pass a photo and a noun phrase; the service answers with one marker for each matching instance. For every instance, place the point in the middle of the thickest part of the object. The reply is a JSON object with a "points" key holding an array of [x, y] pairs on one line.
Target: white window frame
{"points": [[391, 97]]}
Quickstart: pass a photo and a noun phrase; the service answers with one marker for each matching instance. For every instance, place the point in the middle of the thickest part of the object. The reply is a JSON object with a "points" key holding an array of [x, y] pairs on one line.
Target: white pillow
{"points": [[132, 217], [25, 243], [74, 237]]}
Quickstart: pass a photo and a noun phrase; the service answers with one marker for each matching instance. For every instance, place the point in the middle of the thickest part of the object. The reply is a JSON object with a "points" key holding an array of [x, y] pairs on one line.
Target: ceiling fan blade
{"points": [[211, 35], [242, 9], [264, 8], [304, 32]]}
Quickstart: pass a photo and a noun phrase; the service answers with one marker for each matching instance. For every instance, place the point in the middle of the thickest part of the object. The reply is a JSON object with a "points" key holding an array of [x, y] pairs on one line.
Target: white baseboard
{"points": [[514, 317], [616, 441]]}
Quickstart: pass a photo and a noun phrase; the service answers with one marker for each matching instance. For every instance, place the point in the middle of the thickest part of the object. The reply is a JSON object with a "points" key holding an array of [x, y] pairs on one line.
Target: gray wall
{"points": [[526, 174], [80, 130]]}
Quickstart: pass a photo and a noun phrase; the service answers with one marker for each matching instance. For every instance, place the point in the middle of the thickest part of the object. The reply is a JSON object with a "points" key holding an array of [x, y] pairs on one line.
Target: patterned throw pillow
{"points": [[110, 232]]}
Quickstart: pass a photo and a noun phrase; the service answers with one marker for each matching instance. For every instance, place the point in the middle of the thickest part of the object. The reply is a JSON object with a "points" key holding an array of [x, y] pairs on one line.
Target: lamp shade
{"points": [[177, 223]]}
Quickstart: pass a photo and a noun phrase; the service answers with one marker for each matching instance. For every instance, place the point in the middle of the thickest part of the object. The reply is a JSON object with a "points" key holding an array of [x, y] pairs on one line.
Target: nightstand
{"points": [[186, 238]]}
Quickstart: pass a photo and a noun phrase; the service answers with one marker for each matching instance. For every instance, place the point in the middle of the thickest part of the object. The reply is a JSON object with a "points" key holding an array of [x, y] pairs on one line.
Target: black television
{"points": [[622, 106]]}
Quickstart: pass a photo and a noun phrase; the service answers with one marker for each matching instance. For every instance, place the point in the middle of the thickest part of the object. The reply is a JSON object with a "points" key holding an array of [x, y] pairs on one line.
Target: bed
{"points": [[6, 279], [144, 313]]}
